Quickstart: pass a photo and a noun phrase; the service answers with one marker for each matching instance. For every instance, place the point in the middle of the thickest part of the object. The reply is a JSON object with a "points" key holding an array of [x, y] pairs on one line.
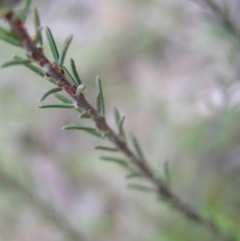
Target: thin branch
{"points": [[53, 71]]}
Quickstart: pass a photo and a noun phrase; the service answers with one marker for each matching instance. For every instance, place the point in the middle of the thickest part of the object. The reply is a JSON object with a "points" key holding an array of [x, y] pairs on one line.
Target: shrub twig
{"points": [[59, 75]]}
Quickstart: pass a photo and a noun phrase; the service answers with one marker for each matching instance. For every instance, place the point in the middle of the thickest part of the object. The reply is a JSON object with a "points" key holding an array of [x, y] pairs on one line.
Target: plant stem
{"points": [[53, 71]]}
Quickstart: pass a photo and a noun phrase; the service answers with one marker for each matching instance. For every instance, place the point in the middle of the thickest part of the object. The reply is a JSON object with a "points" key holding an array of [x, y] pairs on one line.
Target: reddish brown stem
{"points": [[53, 71]]}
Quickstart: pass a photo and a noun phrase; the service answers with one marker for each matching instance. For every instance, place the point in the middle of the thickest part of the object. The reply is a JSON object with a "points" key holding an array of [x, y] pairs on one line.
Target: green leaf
{"points": [[119, 161], [10, 38], [85, 115], [38, 37], [65, 49], [105, 148], [141, 188], [90, 130], [133, 175], [119, 122], [16, 62], [117, 116], [49, 92], [35, 69], [23, 11], [52, 45], [70, 78], [121, 130], [50, 80], [100, 99], [32, 67], [167, 172], [137, 147], [63, 99], [75, 73], [66, 100], [56, 105]]}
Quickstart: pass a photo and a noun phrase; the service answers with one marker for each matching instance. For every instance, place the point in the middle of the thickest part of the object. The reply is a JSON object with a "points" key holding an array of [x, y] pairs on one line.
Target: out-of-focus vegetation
{"points": [[172, 68]]}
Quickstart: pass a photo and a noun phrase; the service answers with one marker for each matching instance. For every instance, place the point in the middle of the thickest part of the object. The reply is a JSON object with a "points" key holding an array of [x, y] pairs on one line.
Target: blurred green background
{"points": [[169, 66]]}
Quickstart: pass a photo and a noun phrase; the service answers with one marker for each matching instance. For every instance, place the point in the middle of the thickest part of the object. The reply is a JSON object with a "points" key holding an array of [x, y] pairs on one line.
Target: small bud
{"points": [[81, 89], [46, 68]]}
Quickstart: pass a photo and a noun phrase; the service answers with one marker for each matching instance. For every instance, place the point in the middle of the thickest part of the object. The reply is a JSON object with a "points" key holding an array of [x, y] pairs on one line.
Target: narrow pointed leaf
{"points": [[121, 130], [119, 122], [137, 147], [38, 37], [65, 49], [56, 105], [133, 175], [35, 69], [119, 161], [141, 188], [24, 10], [85, 115], [106, 135], [63, 99], [52, 45], [100, 99], [66, 100], [16, 62], [75, 73], [49, 92], [167, 172], [99, 103], [50, 80], [90, 130], [9, 37], [117, 116], [105, 148], [70, 78], [32, 67]]}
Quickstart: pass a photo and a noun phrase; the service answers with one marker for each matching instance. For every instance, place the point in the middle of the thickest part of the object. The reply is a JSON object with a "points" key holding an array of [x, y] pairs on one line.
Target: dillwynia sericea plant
{"points": [[68, 81]]}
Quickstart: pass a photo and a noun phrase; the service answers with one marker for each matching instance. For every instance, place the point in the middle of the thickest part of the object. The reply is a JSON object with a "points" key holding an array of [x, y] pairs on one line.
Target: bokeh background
{"points": [[172, 69]]}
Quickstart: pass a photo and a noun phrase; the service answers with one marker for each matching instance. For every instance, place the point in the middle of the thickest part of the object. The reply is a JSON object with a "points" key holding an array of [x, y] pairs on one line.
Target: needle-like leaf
{"points": [[36, 20], [23, 11], [57, 105], [119, 122], [49, 92], [121, 130], [100, 99], [70, 78], [85, 115], [119, 161], [63, 99], [52, 45], [167, 172], [65, 49], [137, 147], [9, 37], [32, 67], [117, 116], [90, 130], [133, 175], [138, 187], [105, 148], [75, 73], [15, 62]]}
